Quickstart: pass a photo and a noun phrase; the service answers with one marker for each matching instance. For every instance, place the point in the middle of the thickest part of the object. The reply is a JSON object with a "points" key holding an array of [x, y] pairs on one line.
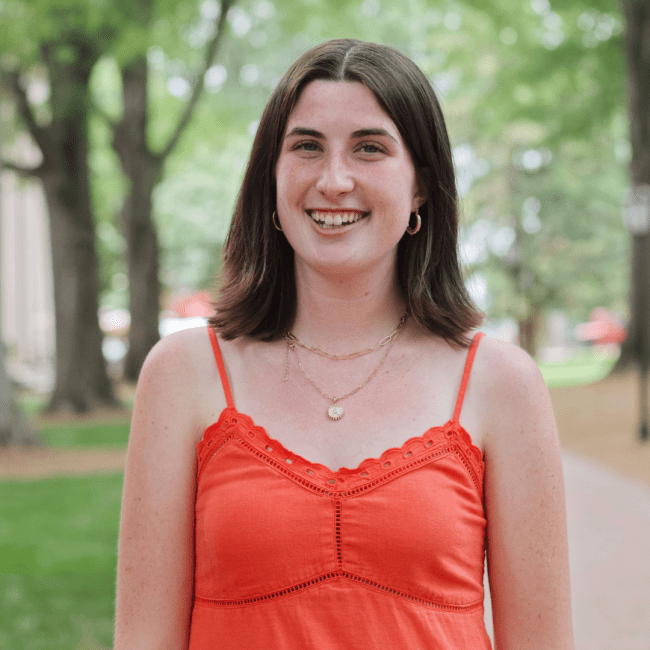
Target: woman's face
{"points": [[346, 184]]}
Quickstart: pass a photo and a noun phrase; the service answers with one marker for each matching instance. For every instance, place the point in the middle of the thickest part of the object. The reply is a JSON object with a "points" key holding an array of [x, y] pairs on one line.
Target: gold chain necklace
{"points": [[290, 337], [336, 410]]}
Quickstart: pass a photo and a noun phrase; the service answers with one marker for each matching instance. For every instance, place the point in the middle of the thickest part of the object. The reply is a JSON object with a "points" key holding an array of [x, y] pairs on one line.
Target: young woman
{"points": [[343, 339]]}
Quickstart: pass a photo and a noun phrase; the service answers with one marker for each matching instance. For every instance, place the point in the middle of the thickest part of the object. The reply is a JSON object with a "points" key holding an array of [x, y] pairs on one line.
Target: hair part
{"points": [[258, 291]]}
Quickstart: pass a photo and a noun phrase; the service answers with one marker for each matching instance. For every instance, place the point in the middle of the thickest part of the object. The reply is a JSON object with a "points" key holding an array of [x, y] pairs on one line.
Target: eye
{"points": [[370, 148], [308, 146]]}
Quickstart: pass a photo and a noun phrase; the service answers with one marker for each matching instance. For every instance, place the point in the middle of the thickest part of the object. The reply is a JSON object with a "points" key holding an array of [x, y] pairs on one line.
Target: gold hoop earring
{"points": [[418, 225], [274, 218]]}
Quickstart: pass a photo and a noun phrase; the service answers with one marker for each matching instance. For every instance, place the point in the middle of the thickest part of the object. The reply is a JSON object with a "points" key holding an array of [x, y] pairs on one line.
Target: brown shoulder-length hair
{"points": [[258, 292]]}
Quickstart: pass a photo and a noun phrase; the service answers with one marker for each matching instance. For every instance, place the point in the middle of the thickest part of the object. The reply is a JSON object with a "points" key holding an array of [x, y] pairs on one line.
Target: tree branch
{"points": [[25, 111], [21, 170], [210, 54]]}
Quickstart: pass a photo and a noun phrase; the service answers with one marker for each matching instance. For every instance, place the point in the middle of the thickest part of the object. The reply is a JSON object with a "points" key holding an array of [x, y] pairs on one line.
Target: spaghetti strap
{"points": [[222, 368], [466, 373]]}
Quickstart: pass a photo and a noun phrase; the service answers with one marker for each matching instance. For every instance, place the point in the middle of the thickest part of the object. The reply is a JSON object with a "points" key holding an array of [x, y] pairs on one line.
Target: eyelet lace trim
{"points": [[333, 575], [436, 442]]}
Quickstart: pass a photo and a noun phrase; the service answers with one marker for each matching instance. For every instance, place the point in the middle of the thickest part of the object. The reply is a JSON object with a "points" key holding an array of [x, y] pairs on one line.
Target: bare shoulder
{"points": [[505, 364], [511, 391], [180, 351], [178, 379]]}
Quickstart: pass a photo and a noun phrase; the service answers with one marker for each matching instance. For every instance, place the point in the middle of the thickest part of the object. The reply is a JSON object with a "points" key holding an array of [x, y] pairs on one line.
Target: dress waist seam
{"points": [[337, 575]]}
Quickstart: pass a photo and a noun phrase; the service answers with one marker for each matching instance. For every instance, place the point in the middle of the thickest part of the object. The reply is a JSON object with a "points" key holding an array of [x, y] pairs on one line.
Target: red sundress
{"points": [[292, 556]]}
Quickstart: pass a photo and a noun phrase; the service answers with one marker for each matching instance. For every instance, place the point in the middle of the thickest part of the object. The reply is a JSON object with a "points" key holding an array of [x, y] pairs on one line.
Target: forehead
{"points": [[339, 103]]}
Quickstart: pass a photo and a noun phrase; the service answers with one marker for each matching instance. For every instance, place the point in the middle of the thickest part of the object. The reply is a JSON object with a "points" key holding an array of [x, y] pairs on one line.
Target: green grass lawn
{"points": [[58, 549], [584, 368], [32, 403], [86, 434]]}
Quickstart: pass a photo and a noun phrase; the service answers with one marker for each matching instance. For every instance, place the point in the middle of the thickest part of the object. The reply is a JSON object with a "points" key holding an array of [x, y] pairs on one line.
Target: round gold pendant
{"points": [[335, 412]]}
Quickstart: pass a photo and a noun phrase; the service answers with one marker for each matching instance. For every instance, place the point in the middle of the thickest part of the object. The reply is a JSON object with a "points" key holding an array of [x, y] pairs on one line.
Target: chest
{"points": [[390, 402], [266, 519]]}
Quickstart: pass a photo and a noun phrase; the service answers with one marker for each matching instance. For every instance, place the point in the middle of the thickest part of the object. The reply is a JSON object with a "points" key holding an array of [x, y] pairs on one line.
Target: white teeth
{"points": [[327, 219]]}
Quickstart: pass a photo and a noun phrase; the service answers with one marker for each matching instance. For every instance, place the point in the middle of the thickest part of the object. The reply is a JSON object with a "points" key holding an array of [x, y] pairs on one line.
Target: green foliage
{"points": [[576, 249], [28, 24], [193, 207], [560, 64], [547, 84], [108, 186], [58, 549], [542, 77]]}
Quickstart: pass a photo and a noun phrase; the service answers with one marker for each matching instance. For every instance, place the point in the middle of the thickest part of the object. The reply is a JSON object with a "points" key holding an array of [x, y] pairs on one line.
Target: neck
{"points": [[343, 316]]}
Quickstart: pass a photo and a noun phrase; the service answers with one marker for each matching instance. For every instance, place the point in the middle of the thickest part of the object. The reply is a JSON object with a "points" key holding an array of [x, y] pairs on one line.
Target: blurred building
{"points": [[26, 287]]}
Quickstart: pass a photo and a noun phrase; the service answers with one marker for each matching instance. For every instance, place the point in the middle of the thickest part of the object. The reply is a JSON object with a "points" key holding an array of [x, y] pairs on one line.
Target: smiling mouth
{"points": [[336, 218]]}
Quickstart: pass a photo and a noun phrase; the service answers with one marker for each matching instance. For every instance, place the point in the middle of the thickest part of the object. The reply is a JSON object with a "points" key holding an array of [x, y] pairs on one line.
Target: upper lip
{"points": [[335, 210]]}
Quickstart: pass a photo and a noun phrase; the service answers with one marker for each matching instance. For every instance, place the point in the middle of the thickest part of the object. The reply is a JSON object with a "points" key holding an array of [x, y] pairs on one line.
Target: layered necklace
{"points": [[336, 410]]}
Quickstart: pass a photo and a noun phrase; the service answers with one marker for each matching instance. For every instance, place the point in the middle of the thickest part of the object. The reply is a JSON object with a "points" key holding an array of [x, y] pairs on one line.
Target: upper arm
{"points": [[527, 548], [156, 547]]}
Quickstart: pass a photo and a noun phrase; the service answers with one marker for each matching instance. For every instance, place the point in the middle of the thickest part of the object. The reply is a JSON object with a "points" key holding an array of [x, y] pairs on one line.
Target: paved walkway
{"points": [[609, 552]]}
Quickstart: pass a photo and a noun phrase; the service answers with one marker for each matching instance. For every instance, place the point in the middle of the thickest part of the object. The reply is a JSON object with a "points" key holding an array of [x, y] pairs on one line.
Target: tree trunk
{"points": [[636, 348], [524, 281], [143, 171], [528, 332], [82, 382]]}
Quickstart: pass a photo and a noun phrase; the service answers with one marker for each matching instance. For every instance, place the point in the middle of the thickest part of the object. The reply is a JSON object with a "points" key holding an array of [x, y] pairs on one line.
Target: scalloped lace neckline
{"points": [[389, 456]]}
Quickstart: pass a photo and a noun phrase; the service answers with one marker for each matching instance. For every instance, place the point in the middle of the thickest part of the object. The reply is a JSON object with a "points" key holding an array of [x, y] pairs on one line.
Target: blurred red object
{"points": [[603, 328], [192, 305]]}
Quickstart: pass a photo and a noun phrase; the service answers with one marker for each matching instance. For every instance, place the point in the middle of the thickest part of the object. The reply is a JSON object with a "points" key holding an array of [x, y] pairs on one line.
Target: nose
{"points": [[335, 177]]}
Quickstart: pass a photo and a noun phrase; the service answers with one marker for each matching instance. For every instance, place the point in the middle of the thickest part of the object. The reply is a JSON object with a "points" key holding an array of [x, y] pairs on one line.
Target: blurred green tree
{"points": [[637, 45], [548, 119], [533, 94], [536, 112], [53, 45], [142, 164]]}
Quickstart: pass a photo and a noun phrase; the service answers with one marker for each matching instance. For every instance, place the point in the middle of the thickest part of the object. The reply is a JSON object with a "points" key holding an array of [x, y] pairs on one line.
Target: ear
{"points": [[420, 195]]}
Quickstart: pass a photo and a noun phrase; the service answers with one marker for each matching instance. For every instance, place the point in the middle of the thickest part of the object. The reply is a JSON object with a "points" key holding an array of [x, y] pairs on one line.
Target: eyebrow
{"points": [[364, 133], [301, 130], [361, 133]]}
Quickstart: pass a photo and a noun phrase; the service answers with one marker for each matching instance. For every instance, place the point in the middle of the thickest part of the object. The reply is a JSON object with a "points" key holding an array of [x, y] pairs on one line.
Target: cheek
{"points": [[288, 182]]}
